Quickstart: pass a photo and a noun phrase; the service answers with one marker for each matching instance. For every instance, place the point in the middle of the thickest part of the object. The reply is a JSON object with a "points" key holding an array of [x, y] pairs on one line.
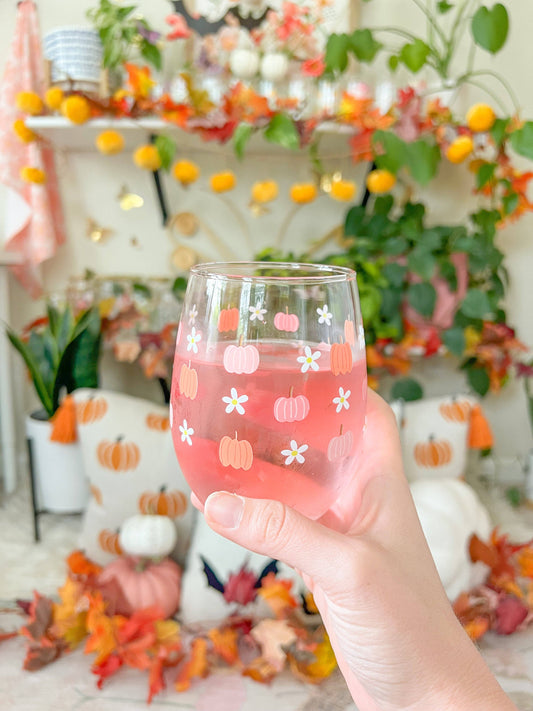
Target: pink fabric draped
{"points": [[35, 228]]}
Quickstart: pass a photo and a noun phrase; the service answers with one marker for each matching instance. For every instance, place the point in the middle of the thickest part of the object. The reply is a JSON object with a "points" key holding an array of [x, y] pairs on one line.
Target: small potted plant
{"points": [[61, 351]]}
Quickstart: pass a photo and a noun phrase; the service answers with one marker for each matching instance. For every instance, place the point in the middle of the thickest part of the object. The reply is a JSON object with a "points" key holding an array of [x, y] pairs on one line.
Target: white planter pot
{"points": [[244, 63], [60, 482], [75, 54], [274, 66]]}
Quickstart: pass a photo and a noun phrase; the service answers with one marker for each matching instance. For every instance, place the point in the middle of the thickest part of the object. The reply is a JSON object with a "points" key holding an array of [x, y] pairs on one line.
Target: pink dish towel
{"points": [[34, 219]]}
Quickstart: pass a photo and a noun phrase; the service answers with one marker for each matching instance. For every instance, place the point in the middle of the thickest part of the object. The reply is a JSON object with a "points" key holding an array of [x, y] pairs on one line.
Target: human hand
{"points": [[394, 633]]}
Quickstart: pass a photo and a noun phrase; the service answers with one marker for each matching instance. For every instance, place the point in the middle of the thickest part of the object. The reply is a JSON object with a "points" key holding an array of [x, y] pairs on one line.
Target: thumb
{"points": [[272, 529]]}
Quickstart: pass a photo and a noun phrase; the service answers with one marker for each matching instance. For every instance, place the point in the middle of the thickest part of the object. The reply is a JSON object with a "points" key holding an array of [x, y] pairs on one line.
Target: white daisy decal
{"points": [[308, 360], [342, 400], [325, 315], [186, 433], [234, 401], [193, 313], [257, 312], [193, 339], [294, 452]]}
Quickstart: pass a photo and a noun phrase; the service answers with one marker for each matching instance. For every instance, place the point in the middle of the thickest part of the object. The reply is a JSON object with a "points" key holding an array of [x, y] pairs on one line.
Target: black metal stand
{"points": [[35, 509], [161, 197]]}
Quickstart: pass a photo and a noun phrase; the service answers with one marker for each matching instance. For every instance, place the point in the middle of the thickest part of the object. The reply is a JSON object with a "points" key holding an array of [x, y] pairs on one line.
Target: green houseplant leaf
{"points": [[414, 55], [490, 27], [282, 130], [364, 45], [522, 140], [422, 297], [407, 389]]}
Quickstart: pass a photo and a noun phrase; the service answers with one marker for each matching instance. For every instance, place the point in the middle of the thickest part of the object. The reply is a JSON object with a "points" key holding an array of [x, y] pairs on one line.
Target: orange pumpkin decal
{"points": [[286, 321], [228, 320], [456, 410], [188, 381], [97, 494], [291, 409], [235, 453], [91, 410], [340, 446], [341, 359], [154, 421], [163, 503], [349, 332], [434, 453], [108, 541], [241, 359], [119, 456]]}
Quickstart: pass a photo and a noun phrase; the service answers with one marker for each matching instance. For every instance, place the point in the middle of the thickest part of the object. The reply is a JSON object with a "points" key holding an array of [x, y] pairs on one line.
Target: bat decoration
{"points": [[241, 587]]}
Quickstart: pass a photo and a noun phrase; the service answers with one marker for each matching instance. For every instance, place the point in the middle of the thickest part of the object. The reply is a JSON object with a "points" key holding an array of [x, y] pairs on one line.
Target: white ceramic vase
{"points": [[244, 63], [60, 482]]}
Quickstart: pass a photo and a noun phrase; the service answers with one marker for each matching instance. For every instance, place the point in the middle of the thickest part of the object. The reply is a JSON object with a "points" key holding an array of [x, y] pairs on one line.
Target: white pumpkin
{"points": [[148, 536], [274, 66], [244, 63], [450, 512]]}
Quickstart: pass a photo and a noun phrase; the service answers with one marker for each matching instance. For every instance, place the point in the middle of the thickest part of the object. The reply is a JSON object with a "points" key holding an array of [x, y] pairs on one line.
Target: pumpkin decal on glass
{"points": [[291, 409], [148, 536], [119, 456], [284, 321], [143, 584], [160, 423], [433, 453], [96, 493], [228, 320], [163, 503], [188, 381], [109, 541], [341, 359], [241, 359], [235, 453], [91, 410], [349, 332], [340, 446], [456, 410]]}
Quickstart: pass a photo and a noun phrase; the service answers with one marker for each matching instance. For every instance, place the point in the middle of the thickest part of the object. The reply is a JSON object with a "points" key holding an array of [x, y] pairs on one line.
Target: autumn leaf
{"points": [[525, 562], [41, 617], [324, 664], [277, 594], [261, 670], [274, 636], [39, 655], [70, 615], [79, 564], [107, 668], [198, 99], [195, 667], [243, 104], [225, 644], [139, 80], [103, 631]]}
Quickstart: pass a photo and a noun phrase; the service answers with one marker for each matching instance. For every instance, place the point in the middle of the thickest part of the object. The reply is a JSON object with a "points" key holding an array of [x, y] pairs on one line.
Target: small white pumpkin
{"points": [[244, 63], [274, 66], [148, 536], [450, 513]]}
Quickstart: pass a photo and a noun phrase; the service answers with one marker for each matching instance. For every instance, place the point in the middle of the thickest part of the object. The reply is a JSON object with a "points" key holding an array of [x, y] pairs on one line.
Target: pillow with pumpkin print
{"points": [[129, 458], [434, 435]]}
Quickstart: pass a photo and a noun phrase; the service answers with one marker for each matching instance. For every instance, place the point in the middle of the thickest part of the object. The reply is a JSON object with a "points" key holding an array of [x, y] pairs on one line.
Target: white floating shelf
{"points": [[9, 259]]}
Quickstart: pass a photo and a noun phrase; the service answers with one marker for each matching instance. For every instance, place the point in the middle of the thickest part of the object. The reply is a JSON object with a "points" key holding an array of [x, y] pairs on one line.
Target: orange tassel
{"points": [[480, 434], [64, 422]]}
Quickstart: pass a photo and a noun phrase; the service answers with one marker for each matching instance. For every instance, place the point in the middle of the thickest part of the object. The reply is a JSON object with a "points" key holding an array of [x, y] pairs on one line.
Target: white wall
{"points": [[90, 184]]}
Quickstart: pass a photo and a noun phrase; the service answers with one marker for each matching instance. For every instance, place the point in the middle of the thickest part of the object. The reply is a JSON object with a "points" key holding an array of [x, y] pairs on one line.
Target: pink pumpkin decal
{"points": [[133, 584], [241, 359], [286, 321], [291, 409], [340, 447]]}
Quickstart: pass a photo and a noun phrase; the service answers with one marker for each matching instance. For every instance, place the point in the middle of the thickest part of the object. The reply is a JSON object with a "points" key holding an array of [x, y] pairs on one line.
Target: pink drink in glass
{"points": [[277, 418]]}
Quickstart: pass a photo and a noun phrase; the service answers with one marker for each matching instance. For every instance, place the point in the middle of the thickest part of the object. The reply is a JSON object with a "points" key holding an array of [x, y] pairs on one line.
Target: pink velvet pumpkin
{"points": [[142, 584]]}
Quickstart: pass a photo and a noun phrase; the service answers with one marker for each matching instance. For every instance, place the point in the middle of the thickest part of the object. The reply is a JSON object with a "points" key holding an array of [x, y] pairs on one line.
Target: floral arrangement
{"points": [[291, 637]]}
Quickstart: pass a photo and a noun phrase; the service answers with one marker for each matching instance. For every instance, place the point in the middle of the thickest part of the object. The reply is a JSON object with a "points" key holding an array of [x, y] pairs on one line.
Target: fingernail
{"points": [[224, 509]]}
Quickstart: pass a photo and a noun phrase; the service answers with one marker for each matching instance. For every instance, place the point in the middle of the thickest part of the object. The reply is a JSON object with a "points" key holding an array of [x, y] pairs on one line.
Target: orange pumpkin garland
{"points": [[155, 421], [434, 453], [109, 541], [163, 503], [119, 456]]}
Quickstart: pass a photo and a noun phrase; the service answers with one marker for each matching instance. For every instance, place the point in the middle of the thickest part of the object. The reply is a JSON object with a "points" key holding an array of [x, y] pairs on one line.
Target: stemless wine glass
{"points": [[269, 382]]}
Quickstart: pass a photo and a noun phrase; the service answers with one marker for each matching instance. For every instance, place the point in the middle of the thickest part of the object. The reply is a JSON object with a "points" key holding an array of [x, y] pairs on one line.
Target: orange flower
{"points": [[223, 182], [303, 193], [186, 172], [266, 191], [342, 190], [29, 102], [76, 109], [24, 134], [33, 175], [147, 157], [110, 142], [54, 98]]}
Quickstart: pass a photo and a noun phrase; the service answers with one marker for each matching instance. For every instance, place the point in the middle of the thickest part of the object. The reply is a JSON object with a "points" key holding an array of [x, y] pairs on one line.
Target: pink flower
{"points": [[240, 587], [314, 67], [180, 29]]}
